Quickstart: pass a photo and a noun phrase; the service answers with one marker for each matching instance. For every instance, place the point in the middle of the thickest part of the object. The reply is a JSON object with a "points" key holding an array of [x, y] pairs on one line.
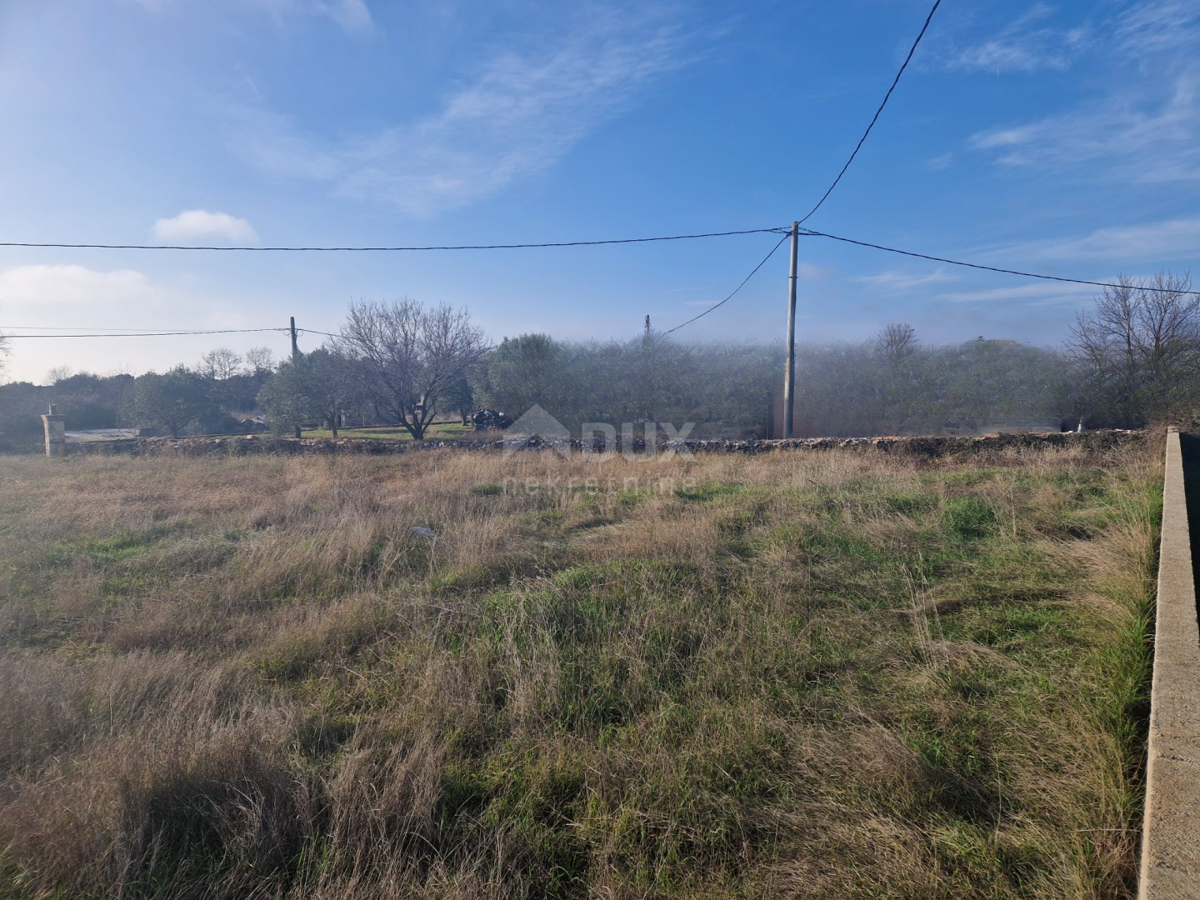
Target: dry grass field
{"points": [[799, 674]]}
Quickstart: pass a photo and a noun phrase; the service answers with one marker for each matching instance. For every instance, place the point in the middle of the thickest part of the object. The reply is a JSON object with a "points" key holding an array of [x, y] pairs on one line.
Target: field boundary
{"points": [[925, 446], [1171, 831]]}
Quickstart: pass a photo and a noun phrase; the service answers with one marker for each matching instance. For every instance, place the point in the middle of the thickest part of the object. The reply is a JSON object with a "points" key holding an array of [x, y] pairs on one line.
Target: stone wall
{"points": [[931, 446]]}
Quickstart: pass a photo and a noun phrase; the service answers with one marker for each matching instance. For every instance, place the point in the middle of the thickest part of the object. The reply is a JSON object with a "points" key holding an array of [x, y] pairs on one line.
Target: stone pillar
{"points": [[56, 433]]}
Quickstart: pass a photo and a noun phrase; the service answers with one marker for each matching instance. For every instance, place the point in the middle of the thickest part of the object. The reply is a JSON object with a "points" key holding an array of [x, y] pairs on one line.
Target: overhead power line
{"points": [[75, 328], [1002, 271], [13, 337], [640, 240], [753, 272], [101, 332], [875, 118]]}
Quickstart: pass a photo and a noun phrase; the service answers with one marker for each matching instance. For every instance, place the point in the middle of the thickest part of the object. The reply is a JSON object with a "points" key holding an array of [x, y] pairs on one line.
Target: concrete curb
{"points": [[1171, 830]]}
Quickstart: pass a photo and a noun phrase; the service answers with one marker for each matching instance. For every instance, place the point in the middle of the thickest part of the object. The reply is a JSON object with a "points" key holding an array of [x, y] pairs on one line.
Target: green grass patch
{"points": [[439, 431]]}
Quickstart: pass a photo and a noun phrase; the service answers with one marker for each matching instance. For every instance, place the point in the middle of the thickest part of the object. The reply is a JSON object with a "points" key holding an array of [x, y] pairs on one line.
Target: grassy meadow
{"points": [[802, 674]]}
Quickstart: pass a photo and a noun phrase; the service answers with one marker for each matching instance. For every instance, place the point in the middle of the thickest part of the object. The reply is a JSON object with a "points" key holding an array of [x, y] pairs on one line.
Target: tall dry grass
{"points": [[804, 674]]}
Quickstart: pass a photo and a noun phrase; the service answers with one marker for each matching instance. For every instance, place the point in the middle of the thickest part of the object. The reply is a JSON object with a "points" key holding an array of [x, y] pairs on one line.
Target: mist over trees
{"points": [[889, 385], [725, 388], [1133, 359]]}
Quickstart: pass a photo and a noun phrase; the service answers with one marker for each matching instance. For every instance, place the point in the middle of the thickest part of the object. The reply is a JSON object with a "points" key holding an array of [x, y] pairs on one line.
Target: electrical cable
{"points": [[644, 240], [969, 265], [753, 272], [13, 337], [139, 329], [785, 232], [875, 118]]}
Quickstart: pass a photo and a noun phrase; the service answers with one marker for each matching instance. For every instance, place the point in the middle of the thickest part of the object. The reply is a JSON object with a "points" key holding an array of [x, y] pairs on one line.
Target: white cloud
{"points": [[197, 225], [1036, 294], [940, 163], [36, 298], [1150, 243], [898, 282], [1146, 129], [352, 15], [1003, 138], [811, 272], [1152, 28], [1022, 46], [57, 286], [349, 15], [1127, 136], [519, 115]]}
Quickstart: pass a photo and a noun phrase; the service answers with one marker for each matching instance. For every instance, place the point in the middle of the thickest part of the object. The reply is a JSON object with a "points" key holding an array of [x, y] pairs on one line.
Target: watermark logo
{"points": [[598, 439], [537, 423]]}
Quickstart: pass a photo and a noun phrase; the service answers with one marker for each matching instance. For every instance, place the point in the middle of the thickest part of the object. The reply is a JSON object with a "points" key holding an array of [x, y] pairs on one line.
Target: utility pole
{"points": [[648, 323], [789, 371], [295, 358]]}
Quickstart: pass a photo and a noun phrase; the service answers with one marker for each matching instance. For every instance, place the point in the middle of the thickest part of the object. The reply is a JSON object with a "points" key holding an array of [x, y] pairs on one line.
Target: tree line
{"points": [[1133, 358]]}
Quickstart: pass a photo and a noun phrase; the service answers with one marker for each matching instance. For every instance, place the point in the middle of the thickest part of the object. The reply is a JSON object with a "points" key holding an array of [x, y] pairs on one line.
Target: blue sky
{"points": [[1062, 138]]}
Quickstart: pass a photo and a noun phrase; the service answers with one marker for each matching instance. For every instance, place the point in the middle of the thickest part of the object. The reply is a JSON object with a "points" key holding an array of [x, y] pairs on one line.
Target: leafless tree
{"points": [[1141, 344], [4, 349], [260, 360], [412, 355], [897, 381], [897, 342], [58, 373], [220, 364]]}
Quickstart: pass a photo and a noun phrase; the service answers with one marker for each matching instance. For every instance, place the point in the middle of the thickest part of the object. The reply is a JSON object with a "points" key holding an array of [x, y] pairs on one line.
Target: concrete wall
{"points": [[56, 433], [1171, 836]]}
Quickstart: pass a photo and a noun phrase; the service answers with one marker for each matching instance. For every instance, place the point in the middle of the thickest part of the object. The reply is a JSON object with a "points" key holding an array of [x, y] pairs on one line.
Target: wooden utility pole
{"points": [[789, 371], [647, 326], [295, 358]]}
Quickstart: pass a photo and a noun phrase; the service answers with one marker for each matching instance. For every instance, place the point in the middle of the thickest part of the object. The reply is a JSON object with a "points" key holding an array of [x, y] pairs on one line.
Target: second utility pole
{"points": [[789, 371], [295, 358]]}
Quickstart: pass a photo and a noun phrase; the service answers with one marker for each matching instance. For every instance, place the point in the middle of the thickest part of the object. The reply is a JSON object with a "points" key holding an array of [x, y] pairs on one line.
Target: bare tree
{"points": [[58, 373], [220, 364], [260, 360], [897, 342], [1141, 345], [897, 382], [413, 355], [4, 350]]}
